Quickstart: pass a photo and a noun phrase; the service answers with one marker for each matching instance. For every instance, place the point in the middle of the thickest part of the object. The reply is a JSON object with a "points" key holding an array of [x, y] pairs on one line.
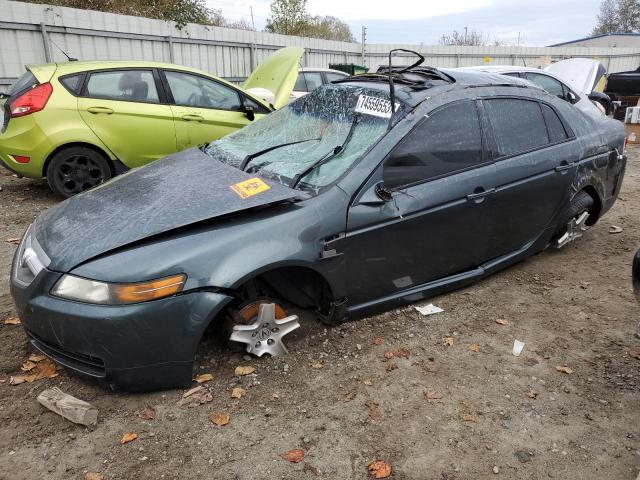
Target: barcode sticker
{"points": [[376, 106]]}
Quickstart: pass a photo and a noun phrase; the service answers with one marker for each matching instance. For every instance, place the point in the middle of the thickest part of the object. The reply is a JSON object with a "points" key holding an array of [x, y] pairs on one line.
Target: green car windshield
{"points": [[328, 129]]}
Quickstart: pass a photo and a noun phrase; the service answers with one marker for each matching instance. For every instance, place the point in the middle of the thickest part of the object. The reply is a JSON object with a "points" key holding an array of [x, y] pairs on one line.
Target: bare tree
{"points": [[471, 38], [618, 16]]}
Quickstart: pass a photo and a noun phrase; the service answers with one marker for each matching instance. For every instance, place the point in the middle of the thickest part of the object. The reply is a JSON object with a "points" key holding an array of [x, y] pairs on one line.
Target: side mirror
{"points": [[572, 97], [249, 113], [376, 195], [3, 96]]}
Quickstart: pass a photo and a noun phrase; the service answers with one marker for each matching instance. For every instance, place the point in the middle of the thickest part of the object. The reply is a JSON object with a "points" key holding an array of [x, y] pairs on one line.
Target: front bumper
{"points": [[141, 346]]}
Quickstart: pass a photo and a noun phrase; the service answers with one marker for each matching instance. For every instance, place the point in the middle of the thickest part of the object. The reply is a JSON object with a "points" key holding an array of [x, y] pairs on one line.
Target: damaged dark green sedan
{"points": [[365, 194]]}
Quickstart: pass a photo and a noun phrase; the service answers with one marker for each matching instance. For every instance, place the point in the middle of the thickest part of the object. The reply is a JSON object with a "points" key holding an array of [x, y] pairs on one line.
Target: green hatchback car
{"points": [[80, 123]]}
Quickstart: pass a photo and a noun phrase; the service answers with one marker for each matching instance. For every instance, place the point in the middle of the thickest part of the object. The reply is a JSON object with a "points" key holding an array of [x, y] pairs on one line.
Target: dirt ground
{"points": [[445, 412]]}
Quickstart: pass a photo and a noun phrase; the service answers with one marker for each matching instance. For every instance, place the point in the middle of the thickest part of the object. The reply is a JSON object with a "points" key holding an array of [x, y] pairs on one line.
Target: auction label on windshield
{"points": [[379, 107], [250, 187]]}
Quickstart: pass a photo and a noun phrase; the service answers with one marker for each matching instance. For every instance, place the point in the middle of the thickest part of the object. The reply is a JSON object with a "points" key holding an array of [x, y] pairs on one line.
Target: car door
{"points": [[204, 109], [535, 164], [125, 110], [434, 222]]}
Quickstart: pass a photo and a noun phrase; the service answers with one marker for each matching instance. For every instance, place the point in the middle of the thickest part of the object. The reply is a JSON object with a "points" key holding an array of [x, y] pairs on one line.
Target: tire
{"points": [[569, 226], [76, 169]]}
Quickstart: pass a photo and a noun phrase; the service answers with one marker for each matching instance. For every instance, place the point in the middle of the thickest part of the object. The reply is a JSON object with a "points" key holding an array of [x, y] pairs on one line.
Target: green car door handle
{"points": [[104, 110], [192, 118]]}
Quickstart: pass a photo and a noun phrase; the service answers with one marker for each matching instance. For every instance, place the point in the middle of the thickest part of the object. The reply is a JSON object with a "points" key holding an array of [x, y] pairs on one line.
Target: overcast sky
{"points": [[539, 22]]}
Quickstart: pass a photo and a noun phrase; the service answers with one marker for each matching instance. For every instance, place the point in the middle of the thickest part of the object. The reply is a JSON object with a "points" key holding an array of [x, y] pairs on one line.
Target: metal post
{"points": [[364, 40], [252, 56], [171, 57], [45, 40]]}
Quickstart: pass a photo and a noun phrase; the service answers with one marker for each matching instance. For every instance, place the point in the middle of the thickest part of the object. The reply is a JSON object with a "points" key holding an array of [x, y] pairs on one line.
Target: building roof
{"points": [[612, 34]]}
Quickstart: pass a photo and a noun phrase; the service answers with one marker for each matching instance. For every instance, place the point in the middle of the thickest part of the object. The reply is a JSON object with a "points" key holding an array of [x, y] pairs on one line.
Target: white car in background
{"points": [[573, 80], [311, 78]]}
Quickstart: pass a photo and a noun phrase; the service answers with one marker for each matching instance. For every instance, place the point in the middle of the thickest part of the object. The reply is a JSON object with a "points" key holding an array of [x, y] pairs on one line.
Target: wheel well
{"points": [[594, 214], [76, 144], [301, 286]]}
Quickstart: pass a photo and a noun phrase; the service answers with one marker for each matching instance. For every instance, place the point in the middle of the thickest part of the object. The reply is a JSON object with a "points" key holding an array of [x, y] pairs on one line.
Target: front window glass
{"points": [[551, 85], [332, 127], [195, 91], [307, 81]]}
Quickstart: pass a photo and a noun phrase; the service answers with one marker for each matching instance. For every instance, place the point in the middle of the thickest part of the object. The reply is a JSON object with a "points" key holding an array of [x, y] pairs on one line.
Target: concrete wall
{"points": [[29, 34]]}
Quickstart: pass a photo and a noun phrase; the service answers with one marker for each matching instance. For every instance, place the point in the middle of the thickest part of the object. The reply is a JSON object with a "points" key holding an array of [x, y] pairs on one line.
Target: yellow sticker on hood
{"points": [[250, 187]]}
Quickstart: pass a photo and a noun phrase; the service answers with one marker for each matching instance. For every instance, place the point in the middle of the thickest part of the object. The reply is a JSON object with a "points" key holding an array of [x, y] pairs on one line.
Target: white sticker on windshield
{"points": [[376, 106]]}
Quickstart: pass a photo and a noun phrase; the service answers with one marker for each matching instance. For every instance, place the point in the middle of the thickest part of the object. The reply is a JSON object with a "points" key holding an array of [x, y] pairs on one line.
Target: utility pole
{"points": [[364, 40], [465, 35], [253, 24]]}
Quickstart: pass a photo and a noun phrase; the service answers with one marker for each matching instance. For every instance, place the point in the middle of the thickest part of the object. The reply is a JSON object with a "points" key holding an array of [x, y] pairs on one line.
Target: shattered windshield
{"points": [[324, 132]]}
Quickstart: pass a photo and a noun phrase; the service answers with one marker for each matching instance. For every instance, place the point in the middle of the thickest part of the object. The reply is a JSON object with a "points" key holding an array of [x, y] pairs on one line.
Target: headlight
{"points": [[102, 293]]}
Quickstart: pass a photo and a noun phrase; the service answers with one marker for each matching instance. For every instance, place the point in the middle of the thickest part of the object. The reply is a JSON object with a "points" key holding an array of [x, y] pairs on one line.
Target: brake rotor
{"points": [[262, 325]]}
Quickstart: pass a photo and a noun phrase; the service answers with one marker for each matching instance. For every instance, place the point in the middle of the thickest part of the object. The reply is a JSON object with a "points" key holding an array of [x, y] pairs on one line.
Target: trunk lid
{"points": [[174, 192], [582, 74], [277, 74]]}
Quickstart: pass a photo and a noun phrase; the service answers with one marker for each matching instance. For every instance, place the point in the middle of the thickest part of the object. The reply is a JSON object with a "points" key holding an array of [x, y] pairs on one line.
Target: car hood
{"points": [[174, 192], [275, 76], [582, 74]]}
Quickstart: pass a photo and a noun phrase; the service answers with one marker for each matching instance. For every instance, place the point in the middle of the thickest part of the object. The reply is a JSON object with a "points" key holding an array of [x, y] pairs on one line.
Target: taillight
{"points": [[31, 101]]}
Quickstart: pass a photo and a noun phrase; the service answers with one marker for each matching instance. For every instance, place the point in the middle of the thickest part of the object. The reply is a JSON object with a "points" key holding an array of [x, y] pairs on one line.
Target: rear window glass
{"points": [[25, 81], [127, 85], [72, 83], [557, 133], [518, 125]]}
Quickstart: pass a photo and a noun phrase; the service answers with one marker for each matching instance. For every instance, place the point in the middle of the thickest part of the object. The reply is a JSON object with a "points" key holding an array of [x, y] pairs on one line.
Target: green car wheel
{"points": [[76, 169]]}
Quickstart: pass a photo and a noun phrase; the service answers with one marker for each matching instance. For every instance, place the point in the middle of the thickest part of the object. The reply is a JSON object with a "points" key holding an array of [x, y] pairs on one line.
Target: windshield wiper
{"points": [[249, 158], [328, 156]]}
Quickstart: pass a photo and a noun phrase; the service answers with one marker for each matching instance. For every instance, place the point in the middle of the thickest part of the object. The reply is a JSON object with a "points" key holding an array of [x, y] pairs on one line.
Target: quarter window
{"points": [[127, 85], [556, 129], [308, 81], [195, 91], [518, 125], [449, 140]]}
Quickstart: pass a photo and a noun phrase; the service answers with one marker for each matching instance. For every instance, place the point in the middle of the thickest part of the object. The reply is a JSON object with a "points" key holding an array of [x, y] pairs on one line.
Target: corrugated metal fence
{"points": [[33, 34]]}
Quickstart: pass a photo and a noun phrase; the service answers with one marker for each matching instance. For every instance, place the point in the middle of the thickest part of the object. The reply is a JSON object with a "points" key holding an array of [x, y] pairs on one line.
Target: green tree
{"points": [[329, 28], [290, 17]]}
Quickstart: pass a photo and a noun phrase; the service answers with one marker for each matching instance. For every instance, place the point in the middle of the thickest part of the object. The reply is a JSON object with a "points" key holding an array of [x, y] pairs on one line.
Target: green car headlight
{"points": [[86, 290]]}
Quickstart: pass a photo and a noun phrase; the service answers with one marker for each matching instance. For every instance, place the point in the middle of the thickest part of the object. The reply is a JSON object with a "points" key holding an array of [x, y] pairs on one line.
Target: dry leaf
{"points": [[367, 382], [195, 396], [379, 469], [294, 456], [238, 392], [564, 369], [275, 396], [432, 396], [219, 419], [148, 413], [391, 366], [311, 469], [317, 365], [635, 352], [389, 355], [447, 341], [402, 353], [203, 377], [501, 321], [532, 393], [43, 369], [467, 417], [28, 366], [93, 476], [12, 321], [240, 371], [36, 357], [128, 437], [374, 412], [473, 347], [15, 241], [191, 391], [349, 396], [377, 341]]}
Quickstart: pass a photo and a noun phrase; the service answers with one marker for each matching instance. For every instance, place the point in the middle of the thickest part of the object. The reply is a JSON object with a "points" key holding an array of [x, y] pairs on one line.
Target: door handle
{"points": [[192, 118], [105, 110], [564, 166], [479, 193]]}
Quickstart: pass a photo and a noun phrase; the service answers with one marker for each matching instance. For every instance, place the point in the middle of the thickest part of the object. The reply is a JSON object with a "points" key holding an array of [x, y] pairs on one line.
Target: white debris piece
{"points": [[517, 347], [71, 408], [428, 309]]}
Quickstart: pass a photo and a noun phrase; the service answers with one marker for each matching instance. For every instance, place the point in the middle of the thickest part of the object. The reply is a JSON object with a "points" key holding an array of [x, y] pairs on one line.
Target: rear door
{"points": [[535, 163], [126, 110], [435, 223], [204, 109]]}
